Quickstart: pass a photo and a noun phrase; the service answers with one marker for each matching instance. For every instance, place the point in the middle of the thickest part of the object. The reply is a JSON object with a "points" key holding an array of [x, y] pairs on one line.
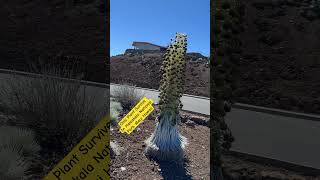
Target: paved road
{"points": [[289, 137], [190, 103]]}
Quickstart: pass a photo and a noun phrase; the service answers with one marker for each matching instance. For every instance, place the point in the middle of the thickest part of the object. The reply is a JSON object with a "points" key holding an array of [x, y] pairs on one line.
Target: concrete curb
{"points": [[312, 117], [303, 170], [34, 75], [274, 111], [155, 90]]}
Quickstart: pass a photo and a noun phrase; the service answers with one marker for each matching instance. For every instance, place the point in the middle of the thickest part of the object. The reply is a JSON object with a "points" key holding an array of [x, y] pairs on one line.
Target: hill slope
{"points": [[143, 70], [280, 64]]}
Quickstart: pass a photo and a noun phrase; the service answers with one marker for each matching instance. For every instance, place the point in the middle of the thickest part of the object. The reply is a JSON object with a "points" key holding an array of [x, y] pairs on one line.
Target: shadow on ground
{"points": [[174, 170]]}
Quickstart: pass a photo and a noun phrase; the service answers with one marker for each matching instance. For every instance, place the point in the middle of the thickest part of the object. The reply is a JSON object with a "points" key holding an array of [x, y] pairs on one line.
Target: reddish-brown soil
{"points": [[139, 167], [37, 28]]}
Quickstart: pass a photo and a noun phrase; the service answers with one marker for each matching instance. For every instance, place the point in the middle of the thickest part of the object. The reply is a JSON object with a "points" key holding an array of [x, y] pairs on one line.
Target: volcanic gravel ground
{"points": [[138, 166]]}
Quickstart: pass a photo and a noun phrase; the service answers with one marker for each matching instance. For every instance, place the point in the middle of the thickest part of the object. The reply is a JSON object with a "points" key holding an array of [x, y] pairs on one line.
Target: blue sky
{"points": [[157, 21]]}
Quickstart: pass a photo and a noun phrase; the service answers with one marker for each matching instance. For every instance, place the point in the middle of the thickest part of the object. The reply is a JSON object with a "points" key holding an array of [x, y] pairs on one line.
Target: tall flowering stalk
{"points": [[166, 143]]}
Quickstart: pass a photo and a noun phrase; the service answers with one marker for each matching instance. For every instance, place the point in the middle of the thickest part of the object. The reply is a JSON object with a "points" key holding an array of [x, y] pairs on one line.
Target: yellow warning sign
{"points": [[135, 117], [89, 159]]}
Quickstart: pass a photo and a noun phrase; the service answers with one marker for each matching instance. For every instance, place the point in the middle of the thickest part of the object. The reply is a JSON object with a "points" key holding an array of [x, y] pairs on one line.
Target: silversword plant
{"points": [[166, 143]]}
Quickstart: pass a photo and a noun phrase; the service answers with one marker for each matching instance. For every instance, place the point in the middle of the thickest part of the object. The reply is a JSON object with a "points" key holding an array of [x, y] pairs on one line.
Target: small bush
{"points": [[127, 96], [21, 138], [115, 149], [17, 150], [115, 109]]}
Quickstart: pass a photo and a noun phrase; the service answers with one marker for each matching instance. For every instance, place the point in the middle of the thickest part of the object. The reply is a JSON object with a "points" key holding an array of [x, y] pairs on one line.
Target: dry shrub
{"points": [[59, 112], [115, 110], [127, 96]]}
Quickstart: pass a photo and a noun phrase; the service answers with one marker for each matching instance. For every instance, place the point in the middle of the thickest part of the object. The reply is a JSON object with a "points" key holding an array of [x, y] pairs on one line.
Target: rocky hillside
{"points": [[42, 29], [143, 70], [280, 55]]}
